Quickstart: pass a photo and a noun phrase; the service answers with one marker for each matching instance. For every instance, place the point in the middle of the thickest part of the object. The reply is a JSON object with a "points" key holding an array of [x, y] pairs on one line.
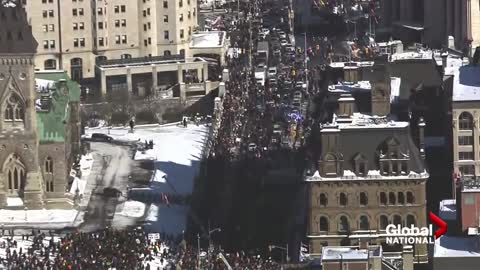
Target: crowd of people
{"points": [[129, 249]]}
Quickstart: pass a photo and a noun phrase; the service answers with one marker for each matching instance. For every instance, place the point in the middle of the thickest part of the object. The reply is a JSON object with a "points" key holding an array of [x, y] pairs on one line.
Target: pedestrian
{"points": [[184, 122]]}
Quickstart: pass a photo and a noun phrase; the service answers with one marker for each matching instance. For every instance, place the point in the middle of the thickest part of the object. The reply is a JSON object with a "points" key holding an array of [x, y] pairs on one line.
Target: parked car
{"points": [[100, 137]]}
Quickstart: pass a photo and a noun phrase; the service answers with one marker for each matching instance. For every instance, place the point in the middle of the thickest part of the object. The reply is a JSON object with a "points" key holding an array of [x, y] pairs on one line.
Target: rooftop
{"points": [[466, 84], [349, 253], [209, 39], [448, 209], [362, 121], [449, 246]]}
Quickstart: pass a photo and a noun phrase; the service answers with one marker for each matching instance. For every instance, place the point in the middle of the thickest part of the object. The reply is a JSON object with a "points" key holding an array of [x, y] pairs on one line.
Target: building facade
{"points": [[33, 174], [74, 35], [412, 20]]}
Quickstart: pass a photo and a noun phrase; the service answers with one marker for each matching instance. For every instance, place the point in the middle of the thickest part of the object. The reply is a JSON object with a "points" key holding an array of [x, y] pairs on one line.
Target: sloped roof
{"points": [[15, 33], [51, 123]]}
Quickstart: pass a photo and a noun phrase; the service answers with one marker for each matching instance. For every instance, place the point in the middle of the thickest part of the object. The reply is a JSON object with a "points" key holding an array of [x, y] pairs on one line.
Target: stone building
{"points": [[370, 173], [34, 165], [75, 34]]}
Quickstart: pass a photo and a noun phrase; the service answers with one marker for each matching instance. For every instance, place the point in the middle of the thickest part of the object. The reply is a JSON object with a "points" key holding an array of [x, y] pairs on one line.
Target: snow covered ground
{"points": [[86, 163], [45, 218], [176, 154]]}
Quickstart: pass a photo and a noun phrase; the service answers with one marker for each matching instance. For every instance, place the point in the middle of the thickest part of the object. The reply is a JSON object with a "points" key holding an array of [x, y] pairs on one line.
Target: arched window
{"points": [[167, 53], [383, 198], [383, 222], [76, 62], [364, 223], [397, 220], [401, 198], [14, 112], [410, 220], [50, 64], [48, 165], [323, 224], [465, 121], [363, 198], [343, 200], [343, 224], [323, 200], [15, 172], [410, 198], [391, 198], [182, 52]]}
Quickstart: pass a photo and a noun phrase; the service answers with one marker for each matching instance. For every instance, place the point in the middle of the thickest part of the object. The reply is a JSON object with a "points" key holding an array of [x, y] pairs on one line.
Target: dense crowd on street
{"points": [[115, 250]]}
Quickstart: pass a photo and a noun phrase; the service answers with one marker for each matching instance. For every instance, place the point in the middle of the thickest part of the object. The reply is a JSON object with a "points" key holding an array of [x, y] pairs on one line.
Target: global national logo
{"points": [[398, 234]]}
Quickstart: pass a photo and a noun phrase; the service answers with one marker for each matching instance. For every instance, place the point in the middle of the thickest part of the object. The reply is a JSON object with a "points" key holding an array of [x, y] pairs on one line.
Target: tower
{"points": [[20, 175], [380, 83]]}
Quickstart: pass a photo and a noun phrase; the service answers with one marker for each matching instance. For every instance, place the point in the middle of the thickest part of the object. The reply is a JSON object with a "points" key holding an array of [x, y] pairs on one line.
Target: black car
{"points": [[111, 192], [100, 137]]}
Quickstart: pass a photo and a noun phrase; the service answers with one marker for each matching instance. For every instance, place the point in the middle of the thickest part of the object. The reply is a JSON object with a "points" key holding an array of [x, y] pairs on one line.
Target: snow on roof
{"points": [[210, 39], [371, 174], [449, 246], [448, 210], [350, 87], [359, 120], [44, 85], [347, 253], [466, 84]]}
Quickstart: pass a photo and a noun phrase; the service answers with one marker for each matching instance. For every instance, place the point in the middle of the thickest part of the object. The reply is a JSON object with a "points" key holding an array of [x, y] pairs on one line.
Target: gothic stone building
{"points": [[370, 173], [34, 159]]}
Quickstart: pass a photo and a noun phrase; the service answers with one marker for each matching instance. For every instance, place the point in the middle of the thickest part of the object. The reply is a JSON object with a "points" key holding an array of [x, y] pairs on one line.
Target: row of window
{"points": [[363, 223], [49, 44], [392, 198], [48, 13], [48, 28]]}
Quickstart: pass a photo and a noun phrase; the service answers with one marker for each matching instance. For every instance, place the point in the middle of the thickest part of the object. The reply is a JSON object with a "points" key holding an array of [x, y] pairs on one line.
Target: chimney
{"points": [[407, 256], [421, 137], [346, 105]]}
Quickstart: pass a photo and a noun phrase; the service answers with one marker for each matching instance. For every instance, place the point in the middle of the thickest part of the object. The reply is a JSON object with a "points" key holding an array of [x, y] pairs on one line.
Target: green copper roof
{"points": [[51, 124]]}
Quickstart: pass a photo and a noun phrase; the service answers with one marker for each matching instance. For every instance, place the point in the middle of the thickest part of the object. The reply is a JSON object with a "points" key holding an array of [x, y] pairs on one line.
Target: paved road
{"points": [[112, 167]]}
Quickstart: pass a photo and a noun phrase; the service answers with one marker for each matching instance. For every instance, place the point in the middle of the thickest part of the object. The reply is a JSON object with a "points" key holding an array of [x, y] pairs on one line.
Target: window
{"points": [[465, 155], [148, 11], [117, 39], [180, 3], [167, 53], [101, 42], [181, 17], [165, 3], [465, 140], [182, 34], [116, 9], [14, 110], [410, 198], [465, 121], [165, 18], [15, 171], [81, 26], [51, 27], [80, 11], [383, 198], [401, 198], [182, 52], [149, 25], [124, 23], [410, 220], [45, 44], [50, 64], [323, 224], [51, 13], [363, 198], [343, 225], [383, 222], [52, 44], [75, 42], [117, 23], [123, 8], [126, 56], [100, 25], [330, 165], [44, 13], [391, 198], [45, 28], [189, 14], [467, 169], [323, 200], [397, 220], [166, 35], [75, 12], [82, 42], [149, 40], [124, 39], [75, 26], [100, 11], [343, 199], [364, 223], [145, 42], [48, 165], [194, 11]]}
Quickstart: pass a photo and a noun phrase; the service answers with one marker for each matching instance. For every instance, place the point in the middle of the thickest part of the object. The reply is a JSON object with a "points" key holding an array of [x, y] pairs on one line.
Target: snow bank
{"points": [[86, 163]]}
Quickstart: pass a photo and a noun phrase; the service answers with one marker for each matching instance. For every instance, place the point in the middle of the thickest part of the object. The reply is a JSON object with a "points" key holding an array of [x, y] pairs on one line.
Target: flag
{"points": [[304, 255]]}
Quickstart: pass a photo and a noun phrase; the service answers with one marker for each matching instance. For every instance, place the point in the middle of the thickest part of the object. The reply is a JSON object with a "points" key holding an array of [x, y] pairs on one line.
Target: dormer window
{"points": [[360, 164], [330, 165]]}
